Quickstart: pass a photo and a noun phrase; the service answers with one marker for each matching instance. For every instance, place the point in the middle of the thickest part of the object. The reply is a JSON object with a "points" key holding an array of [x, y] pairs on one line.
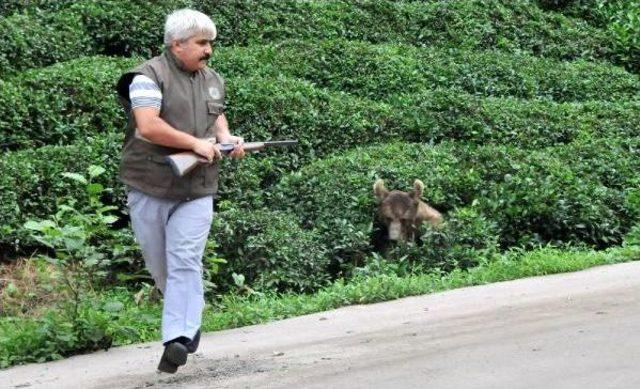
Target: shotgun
{"points": [[184, 162]]}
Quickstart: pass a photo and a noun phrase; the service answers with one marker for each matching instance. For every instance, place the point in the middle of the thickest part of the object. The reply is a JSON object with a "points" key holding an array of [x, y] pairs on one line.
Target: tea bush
{"points": [[31, 184], [348, 66], [62, 103], [620, 18], [9, 7], [534, 197], [466, 238], [270, 250], [513, 26], [38, 40], [126, 28], [58, 103]]}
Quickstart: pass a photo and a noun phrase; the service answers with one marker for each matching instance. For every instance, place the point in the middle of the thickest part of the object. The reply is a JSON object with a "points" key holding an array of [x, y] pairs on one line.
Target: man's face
{"points": [[194, 52]]}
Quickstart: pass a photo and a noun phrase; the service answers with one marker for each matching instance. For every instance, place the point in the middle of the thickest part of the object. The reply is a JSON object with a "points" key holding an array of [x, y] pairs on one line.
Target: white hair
{"points": [[185, 23]]}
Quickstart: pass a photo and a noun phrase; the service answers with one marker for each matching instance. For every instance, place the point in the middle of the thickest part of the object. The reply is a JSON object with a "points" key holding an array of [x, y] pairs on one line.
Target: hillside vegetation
{"points": [[521, 117]]}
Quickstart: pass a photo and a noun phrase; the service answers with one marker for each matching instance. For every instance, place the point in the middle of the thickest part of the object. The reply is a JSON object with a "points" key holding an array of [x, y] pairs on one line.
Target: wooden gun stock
{"points": [[184, 162]]}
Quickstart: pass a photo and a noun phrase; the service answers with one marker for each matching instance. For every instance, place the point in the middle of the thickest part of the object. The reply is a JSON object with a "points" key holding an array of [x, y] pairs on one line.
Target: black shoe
{"points": [[192, 345], [175, 355]]}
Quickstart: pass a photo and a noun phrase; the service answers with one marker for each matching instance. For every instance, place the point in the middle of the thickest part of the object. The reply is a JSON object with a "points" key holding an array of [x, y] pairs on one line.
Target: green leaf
{"points": [[109, 219], [76, 177], [39, 226], [95, 189], [95, 171], [238, 279], [113, 306]]}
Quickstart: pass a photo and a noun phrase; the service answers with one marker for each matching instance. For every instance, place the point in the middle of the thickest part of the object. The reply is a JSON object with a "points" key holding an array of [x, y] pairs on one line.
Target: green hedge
{"points": [[31, 41], [513, 26], [619, 18], [443, 114], [63, 102], [534, 197], [270, 250], [377, 71], [56, 104], [328, 123], [74, 29], [557, 195], [31, 184], [9, 7], [125, 28]]}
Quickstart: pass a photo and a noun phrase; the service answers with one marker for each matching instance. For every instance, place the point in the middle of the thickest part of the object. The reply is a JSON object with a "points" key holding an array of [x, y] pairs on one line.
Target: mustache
{"points": [[205, 57]]}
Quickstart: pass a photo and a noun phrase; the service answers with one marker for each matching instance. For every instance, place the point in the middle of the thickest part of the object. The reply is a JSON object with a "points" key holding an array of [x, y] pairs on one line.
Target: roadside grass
{"points": [[26, 286], [128, 318], [235, 311]]}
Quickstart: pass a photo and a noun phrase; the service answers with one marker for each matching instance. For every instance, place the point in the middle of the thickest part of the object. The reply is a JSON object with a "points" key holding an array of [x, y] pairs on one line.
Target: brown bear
{"points": [[402, 213]]}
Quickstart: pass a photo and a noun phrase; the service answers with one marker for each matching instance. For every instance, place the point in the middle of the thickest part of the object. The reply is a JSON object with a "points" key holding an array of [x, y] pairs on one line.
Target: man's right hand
{"points": [[207, 149]]}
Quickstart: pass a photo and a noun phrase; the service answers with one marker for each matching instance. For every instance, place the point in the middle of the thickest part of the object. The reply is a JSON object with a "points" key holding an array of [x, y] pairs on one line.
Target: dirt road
{"points": [[578, 330]]}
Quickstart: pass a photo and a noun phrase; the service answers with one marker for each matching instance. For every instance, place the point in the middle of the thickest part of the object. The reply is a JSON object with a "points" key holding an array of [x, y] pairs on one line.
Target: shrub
{"points": [[126, 28], [620, 18], [35, 40], [534, 197], [514, 26], [270, 250], [543, 197], [624, 25], [466, 238], [348, 66], [8, 7], [32, 184], [62, 103], [441, 114], [58, 103]]}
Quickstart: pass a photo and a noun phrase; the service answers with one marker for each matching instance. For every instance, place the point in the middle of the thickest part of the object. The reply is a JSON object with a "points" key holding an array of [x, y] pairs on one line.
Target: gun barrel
{"points": [[249, 146], [280, 143]]}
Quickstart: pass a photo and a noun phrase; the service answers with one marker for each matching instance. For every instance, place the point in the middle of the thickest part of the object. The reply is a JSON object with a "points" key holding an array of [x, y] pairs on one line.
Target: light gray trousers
{"points": [[172, 235]]}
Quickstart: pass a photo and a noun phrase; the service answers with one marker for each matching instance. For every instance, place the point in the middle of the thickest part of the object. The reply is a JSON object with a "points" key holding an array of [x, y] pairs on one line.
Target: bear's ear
{"points": [[379, 189], [418, 188]]}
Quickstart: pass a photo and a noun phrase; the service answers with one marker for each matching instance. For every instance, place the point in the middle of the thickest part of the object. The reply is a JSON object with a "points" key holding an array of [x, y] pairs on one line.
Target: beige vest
{"points": [[191, 102]]}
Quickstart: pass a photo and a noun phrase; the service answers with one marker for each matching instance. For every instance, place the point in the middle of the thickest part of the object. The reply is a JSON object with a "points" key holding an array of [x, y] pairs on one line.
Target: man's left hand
{"points": [[238, 149]]}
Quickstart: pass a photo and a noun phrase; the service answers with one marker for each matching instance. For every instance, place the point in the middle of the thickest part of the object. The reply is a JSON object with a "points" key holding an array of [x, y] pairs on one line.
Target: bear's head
{"points": [[402, 213]]}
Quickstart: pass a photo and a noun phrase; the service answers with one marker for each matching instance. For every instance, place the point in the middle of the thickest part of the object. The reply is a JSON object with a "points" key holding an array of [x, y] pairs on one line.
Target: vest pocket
{"points": [[215, 108], [159, 173], [210, 176]]}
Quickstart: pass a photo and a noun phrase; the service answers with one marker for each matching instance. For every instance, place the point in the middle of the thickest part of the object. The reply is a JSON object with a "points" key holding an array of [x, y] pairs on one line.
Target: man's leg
{"points": [[186, 236], [149, 217]]}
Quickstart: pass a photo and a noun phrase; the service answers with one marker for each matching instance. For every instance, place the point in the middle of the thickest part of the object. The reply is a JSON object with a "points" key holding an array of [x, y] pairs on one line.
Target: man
{"points": [[175, 103]]}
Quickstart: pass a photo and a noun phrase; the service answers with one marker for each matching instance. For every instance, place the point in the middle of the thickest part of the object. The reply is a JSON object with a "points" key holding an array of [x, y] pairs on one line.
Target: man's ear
{"points": [[176, 45], [379, 190]]}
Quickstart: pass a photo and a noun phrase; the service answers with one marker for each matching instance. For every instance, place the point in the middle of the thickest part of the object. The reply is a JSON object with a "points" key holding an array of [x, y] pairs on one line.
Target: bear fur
{"points": [[402, 214]]}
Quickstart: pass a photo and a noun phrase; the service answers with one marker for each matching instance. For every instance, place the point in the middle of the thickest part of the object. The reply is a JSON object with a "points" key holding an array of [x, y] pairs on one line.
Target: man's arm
{"points": [[222, 134], [146, 100], [153, 128]]}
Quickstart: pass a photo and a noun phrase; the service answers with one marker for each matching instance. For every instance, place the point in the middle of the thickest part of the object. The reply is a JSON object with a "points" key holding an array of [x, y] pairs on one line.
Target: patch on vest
{"points": [[214, 92]]}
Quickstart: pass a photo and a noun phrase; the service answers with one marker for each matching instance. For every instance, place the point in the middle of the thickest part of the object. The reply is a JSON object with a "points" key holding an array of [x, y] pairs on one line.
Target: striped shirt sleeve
{"points": [[144, 93]]}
